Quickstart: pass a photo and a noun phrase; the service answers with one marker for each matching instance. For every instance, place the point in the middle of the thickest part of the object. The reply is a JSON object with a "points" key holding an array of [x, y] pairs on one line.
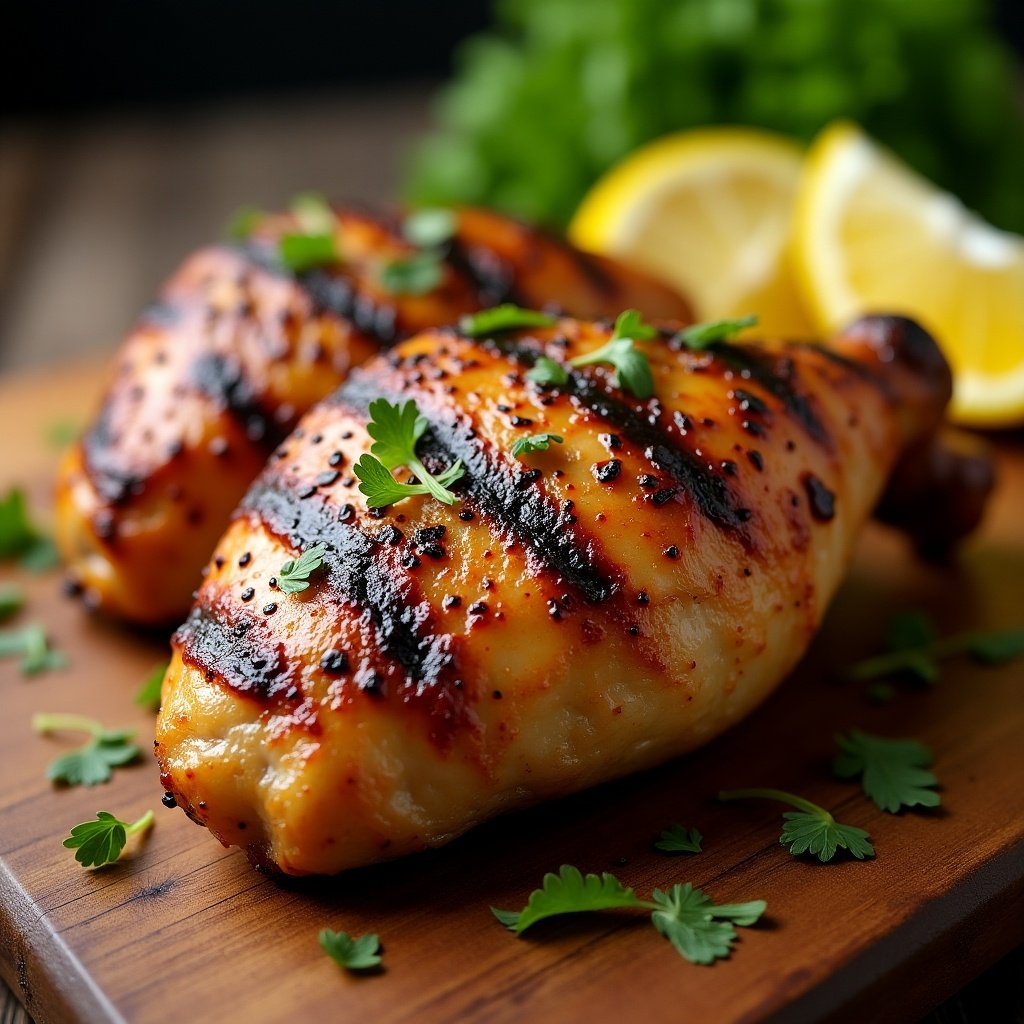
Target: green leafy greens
{"points": [[810, 829], [893, 772], [101, 841], [535, 443], [361, 954], [505, 317], [94, 761], [677, 839], [148, 694], [31, 643], [20, 538], [396, 430], [700, 931], [703, 335], [293, 576]]}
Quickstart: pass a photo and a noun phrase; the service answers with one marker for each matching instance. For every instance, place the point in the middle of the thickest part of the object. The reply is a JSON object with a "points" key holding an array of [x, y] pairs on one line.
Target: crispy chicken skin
{"points": [[236, 349], [580, 613]]}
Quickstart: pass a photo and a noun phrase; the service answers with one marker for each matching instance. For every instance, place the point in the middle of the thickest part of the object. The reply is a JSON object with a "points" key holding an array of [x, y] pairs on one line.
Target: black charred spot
{"points": [[611, 441], [244, 559], [666, 494], [327, 478], [729, 467], [390, 535], [753, 428], [607, 471], [334, 662], [451, 601], [466, 515], [269, 609], [430, 534], [823, 501], [335, 459], [756, 459], [648, 481], [248, 594], [306, 491], [478, 608], [672, 551]]}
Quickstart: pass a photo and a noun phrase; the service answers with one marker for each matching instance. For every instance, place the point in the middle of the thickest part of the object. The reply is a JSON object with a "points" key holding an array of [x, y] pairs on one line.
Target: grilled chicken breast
{"points": [[580, 613], [236, 349]]}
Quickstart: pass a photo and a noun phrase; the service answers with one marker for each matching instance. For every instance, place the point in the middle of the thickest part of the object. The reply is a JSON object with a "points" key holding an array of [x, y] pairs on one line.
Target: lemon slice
{"points": [[873, 236], [709, 212]]}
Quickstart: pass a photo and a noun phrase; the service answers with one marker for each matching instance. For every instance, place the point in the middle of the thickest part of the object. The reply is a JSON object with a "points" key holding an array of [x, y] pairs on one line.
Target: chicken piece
{"points": [[221, 368], [581, 613]]}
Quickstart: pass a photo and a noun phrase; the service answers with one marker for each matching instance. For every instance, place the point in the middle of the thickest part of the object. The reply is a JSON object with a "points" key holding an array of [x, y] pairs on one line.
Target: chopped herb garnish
{"points": [[632, 370], [243, 223], [811, 829], [677, 839], [293, 576], [700, 931], [20, 538], [546, 371], [61, 433], [703, 335], [429, 227], [396, 430], [362, 954], [893, 772], [314, 214], [535, 443], [915, 648], [11, 601], [94, 761], [416, 274], [101, 841], [148, 695], [31, 644], [504, 318], [303, 252]]}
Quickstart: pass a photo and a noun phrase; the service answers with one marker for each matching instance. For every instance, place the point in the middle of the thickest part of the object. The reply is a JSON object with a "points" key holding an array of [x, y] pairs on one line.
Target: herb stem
{"points": [[792, 799], [54, 722], [143, 823], [894, 661]]}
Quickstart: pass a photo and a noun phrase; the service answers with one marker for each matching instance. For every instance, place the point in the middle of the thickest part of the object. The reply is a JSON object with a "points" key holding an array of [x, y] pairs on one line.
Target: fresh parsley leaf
{"points": [[429, 227], [396, 430], [362, 954], [995, 648], [893, 772], [506, 317], [677, 839], [20, 538], [535, 443], [700, 931], [703, 335], [569, 892], [101, 841], [909, 630], [293, 576], [632, 369], [546, 371], [314, 214], [11, 601], [31, 643], [416, 274], [148, 695], [243, 223], [810, 829], [60, 433], [303, 252], [93, 762]]}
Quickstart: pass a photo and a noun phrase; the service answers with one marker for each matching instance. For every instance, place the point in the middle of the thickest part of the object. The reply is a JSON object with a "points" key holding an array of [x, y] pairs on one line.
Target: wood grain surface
{"points": [[182, 923]]}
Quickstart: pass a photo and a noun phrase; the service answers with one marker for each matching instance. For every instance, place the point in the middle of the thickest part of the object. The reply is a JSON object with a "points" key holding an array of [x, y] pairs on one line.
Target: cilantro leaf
{"points": [[535, 443], [632, 369], [416, 274], [101, 841], [396, 430], [677, 839], [93, 762], [31, 643], [361, 954], [630, 324], [303, 252], [687, 918], [20, 538], [148, 694], [568, 892], [893, 772], [700, 336], [810, 829], [546, 371], [11, 601], [430, 227], [293, 576], [505, 317], [243, 223]]}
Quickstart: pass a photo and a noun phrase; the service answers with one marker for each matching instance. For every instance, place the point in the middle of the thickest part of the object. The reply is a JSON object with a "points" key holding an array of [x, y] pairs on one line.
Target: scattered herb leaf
{"points": [[703, 335], [396, 430], [430, 227], [534, 443], [19, 538], [362, 954], [293, 576], [506, 317], [879, 693], [148, 695], [31, 643], [546, 371], [60, 433], [632, 369], [94, 761], [243, 223], [894, 771], [303, 252], [677, 839], [12, 600], [416, 274], [811, 829], [314, 214], [101, 841]]}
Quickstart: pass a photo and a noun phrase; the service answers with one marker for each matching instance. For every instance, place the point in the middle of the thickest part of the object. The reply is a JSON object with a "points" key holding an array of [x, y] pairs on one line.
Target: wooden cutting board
{"points": [[182, 926]]}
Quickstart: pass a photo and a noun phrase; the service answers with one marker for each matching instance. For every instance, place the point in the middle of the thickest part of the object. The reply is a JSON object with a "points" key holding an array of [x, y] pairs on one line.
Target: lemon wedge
{"points": [[709, 212], [870, 235]]}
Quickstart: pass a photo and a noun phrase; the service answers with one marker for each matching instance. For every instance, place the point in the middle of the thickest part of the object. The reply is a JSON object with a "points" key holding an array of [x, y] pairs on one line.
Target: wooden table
{"points": [[93, 215]]}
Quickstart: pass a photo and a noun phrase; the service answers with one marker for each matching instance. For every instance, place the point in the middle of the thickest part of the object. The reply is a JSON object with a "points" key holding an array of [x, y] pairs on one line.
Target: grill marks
{"points": [[221, 379], [503, 492]]}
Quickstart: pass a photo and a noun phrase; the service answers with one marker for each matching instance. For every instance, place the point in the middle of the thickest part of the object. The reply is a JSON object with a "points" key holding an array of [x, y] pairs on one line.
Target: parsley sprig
{"points": [[699, 336], [396, 430], [893, 771], [293, 576], [914, 647], [32, 645], [700, 930], [506, 317], [361, 954], [314, 244], [101, 841], [423, 270], [678, 839], [535, 443], [430, 227], [94, 761], [632, 368], [20, 538], [12, 599], [148, 694], [810, 828]]}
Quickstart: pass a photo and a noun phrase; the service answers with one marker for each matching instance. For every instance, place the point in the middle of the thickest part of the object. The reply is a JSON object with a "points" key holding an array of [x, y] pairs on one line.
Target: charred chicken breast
{"points": [[237, 348], [581, 612]]}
